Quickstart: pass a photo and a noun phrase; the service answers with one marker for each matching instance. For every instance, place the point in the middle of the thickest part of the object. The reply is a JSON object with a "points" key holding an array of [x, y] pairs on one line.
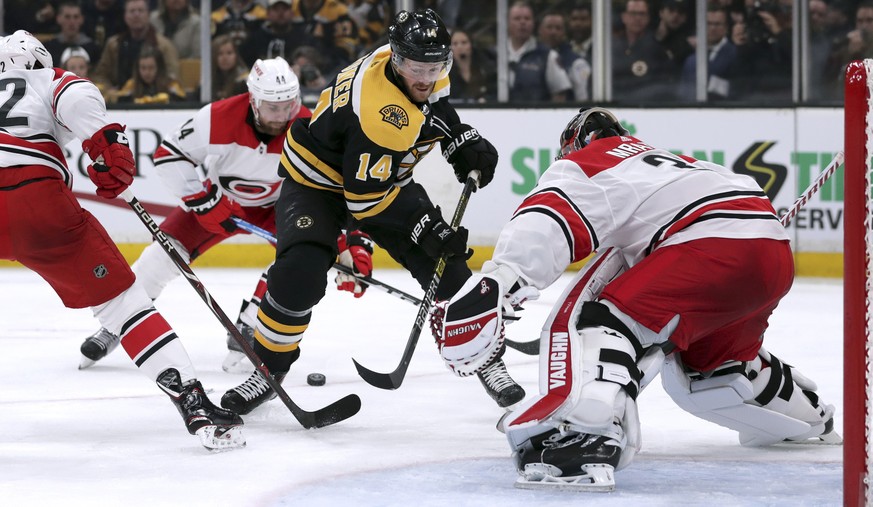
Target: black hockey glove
{"points": [[435, 236], [466, 150]]}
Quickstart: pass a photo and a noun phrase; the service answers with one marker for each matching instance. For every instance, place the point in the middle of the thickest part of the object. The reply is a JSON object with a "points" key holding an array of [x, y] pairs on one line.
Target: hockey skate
{"points": [[252, 393], [236, 360], [569, 461], [96, 347], [499, 385], [218, 429]]}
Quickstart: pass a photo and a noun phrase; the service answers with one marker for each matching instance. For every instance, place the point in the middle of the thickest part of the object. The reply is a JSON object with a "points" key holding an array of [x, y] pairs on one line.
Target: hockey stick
{"points": [[267, 235], [333, 413], [395, 378], [524, 347], [533, 347], [813, 188]]}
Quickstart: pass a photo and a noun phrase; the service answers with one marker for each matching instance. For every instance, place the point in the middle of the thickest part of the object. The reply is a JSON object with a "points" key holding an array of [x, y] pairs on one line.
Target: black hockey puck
{"points": [[316, 379]]}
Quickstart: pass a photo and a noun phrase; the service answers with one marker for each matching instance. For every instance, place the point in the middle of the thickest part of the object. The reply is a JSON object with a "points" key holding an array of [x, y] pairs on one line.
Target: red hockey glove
{"points": [[356, 252], [214, 210], [113, 168]]}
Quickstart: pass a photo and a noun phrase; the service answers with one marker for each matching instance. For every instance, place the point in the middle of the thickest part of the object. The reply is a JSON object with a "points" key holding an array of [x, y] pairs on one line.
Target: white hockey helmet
{"points": [[21, 50], [273, 81]]}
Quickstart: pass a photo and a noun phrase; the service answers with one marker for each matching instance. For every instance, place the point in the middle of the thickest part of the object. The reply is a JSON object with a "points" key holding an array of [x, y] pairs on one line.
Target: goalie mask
{"points": [[274, 94], [589, 124], [421, 47], [21, 50]]}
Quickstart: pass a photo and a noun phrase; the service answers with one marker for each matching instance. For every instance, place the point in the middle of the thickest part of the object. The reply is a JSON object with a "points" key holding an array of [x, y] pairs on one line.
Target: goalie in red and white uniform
{"points": [[43, 227], [222, 164], [692, 260]]}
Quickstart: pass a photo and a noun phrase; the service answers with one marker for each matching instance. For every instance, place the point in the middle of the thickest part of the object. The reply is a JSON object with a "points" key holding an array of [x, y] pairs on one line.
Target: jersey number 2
{"points": [[19, 86]]}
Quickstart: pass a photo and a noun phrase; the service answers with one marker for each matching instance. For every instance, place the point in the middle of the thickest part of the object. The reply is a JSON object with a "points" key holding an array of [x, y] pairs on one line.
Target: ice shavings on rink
{"points": [[107, 436]]}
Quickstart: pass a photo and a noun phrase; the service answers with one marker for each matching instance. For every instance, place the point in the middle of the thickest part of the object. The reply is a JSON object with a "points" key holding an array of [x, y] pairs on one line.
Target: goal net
{"points": [[856, 285]]}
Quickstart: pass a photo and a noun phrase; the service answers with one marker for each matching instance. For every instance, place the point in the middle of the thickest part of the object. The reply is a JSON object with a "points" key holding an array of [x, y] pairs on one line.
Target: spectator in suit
{"points": [[179, 22], [722, 59], [579, 29], [553, 34], [673, 33], [473, 76], [640, 65], [122, 50], [70, 21], [535, 72]]}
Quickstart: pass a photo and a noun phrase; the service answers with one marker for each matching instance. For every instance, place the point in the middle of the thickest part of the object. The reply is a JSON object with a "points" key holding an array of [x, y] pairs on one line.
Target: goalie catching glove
{"points": [[113, 168], [467, 151], [469, 328], [355, 252], [213, 209]]}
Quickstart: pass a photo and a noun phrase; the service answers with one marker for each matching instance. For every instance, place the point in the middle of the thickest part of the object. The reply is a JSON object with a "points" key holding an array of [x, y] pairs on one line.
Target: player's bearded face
{"points": [[419, 78], [419, 91], [273, 117]]}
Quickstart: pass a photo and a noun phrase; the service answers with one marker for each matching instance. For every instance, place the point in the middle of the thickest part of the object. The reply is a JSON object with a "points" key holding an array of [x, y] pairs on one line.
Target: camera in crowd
{"points": [[756, 30]]}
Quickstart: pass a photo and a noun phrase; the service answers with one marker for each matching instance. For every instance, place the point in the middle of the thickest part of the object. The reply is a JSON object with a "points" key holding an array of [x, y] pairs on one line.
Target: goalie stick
{"points": [[335, 412], [533, 347], [524, 347], [393, 379]]}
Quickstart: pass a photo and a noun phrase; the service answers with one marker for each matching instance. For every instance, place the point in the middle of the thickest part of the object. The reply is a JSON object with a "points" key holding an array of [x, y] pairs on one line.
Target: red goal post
{"points": [[858, 134]]}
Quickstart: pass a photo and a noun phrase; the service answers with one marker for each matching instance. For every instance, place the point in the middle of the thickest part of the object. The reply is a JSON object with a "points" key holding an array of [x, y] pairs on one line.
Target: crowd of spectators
{"points": [[133, 49]]}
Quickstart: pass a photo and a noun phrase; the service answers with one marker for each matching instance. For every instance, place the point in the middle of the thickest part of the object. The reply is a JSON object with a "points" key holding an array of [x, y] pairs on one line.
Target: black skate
{"points": [[251, 394], [573, 461], [236, 360], [218, 429], [499, 385], [96, 347]]}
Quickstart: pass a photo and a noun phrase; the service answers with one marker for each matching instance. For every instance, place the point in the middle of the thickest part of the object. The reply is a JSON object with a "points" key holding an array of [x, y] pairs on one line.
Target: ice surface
{"points": [[107, 436]]}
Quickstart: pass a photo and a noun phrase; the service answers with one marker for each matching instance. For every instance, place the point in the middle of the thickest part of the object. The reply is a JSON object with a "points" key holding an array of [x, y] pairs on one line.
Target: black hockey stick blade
{"points": [[531, 348], [335, 412], [389, 381]]}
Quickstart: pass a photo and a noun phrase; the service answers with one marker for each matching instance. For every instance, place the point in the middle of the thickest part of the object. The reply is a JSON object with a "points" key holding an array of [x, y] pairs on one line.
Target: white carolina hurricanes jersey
{"points": [[40, 112], [620, 192], [219, 144]]}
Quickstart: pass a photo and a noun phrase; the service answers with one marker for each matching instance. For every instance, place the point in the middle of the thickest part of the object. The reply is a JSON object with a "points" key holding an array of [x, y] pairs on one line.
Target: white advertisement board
{"points": [[783, 149]]}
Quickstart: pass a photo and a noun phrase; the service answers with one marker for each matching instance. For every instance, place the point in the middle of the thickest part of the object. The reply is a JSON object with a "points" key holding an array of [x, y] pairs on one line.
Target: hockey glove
{"points": [[472, 333], [213, 209], [435, 236], [113, 168], [466, 150], [356, 252]]}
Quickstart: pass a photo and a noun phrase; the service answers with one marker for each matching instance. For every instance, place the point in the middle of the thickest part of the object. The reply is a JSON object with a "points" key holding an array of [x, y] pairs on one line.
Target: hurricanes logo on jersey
{"points": [[395, 115]]}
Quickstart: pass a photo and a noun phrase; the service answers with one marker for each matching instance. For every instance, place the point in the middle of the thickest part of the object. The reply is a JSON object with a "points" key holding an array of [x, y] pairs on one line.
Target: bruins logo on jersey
{"points": [[395, 115]]}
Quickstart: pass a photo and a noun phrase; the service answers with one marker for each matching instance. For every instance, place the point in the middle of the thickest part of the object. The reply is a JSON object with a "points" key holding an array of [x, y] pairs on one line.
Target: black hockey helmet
{"points": [[590, 123], [420, 36]]}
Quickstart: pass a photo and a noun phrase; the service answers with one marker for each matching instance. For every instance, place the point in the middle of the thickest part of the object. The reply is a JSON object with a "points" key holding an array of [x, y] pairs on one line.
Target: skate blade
{"points": [[221, 438], [237, 362], [85, 363], [597, 478]]}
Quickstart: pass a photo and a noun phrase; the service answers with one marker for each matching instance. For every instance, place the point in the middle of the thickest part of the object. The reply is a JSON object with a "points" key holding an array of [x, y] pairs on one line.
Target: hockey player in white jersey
{"points": [[43, 227], [692, 260], [222, 163]]}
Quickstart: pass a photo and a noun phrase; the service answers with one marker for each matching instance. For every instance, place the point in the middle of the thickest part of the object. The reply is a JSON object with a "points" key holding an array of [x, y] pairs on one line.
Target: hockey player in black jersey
{"points": [[354, 159]]}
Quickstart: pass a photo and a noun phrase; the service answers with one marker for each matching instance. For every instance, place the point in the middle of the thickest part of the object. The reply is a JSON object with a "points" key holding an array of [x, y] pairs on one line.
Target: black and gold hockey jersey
{"points": [[364, 139]]}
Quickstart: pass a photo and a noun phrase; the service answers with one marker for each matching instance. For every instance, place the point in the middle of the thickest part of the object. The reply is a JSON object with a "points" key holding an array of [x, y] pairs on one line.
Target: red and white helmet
{"points": [[21, 50], [273, 81], [590, 123]]}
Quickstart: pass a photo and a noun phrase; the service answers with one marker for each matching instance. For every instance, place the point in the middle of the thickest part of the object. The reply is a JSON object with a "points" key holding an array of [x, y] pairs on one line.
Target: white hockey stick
{"points": [[813, 188]]}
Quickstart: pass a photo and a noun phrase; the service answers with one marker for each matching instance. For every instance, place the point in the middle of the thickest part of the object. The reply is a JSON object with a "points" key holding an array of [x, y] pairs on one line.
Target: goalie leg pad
{"points": [[765, 400]]}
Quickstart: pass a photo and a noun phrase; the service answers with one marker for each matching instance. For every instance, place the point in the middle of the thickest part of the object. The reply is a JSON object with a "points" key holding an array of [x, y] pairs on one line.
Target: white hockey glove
{"points": [[356, 252], [472, 332]]}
